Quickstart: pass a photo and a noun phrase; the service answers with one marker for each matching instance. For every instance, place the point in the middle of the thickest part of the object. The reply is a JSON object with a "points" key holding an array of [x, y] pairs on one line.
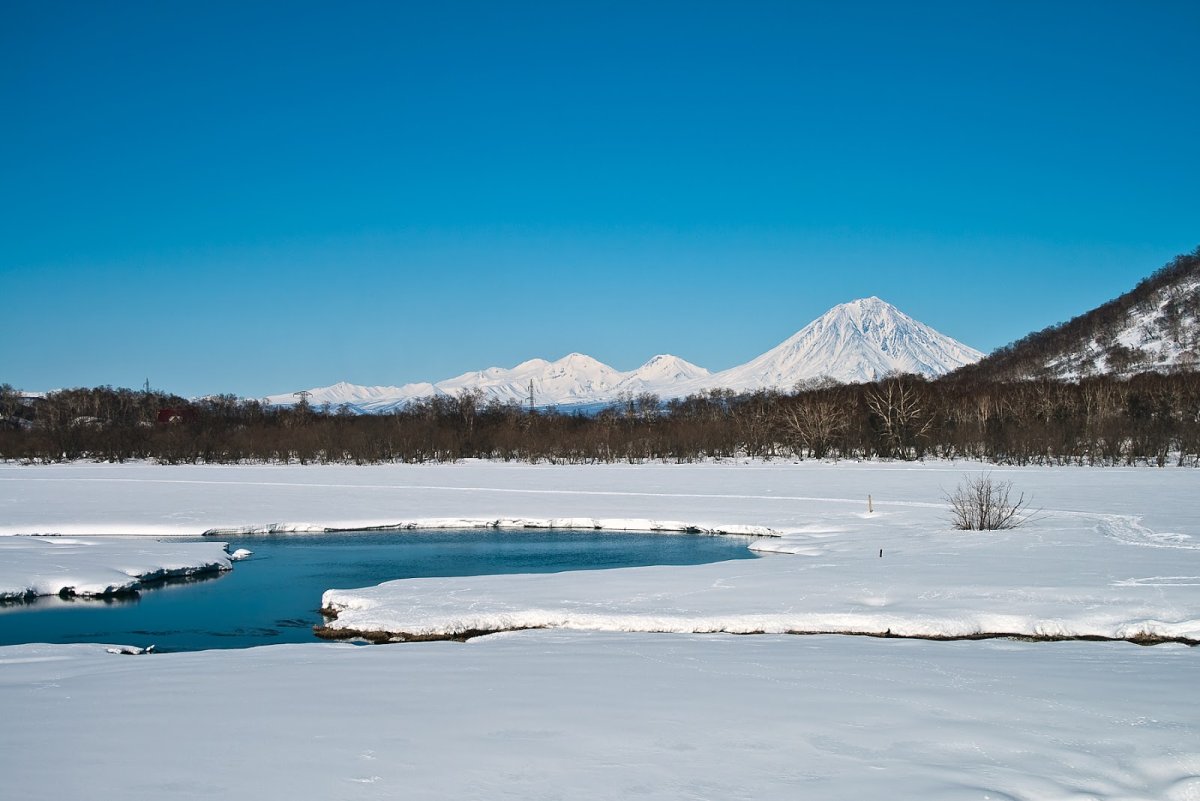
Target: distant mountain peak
{"points": [[665, 363], [863, 311], [531, 364], [861, 340], [872, 302], [578, 360], [663, 374]]}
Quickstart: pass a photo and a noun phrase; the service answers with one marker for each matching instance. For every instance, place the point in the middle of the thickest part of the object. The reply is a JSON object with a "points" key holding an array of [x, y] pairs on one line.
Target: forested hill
{"points": [[1155, 327]]}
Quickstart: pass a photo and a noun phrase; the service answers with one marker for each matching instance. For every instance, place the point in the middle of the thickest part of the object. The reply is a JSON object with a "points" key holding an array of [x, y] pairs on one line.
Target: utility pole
{"points": [[147, 386], [303, 395], [531, 396]]}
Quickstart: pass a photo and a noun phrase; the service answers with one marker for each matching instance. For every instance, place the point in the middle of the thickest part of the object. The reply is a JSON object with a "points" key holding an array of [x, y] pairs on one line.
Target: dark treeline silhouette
{"points": [[1028, 356], [1150, 418]]}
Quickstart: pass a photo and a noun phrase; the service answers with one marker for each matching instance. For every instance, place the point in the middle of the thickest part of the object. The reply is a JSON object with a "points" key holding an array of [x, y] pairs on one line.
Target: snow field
{"points": [[607, 714], [541, 715]]}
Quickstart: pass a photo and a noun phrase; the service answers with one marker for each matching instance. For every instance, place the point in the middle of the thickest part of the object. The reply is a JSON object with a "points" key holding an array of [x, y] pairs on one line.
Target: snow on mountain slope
{"points": [[575, 378], [359, 397], [1160, 333], [1154, 327], [854, 342], [857, 341], [662, 375]]}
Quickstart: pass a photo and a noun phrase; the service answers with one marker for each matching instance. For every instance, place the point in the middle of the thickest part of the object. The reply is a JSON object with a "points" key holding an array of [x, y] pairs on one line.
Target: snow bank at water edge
{"points": [[459, 523], [32, 566]]}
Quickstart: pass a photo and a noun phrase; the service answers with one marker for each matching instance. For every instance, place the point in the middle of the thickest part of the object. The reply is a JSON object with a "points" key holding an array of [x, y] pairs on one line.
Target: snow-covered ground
{"points": [[90, 499], [604, 713], [570, 715]]}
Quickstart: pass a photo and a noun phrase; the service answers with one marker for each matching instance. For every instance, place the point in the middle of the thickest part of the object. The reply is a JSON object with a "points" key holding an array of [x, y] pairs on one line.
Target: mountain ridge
{"points": [[862, 340]]}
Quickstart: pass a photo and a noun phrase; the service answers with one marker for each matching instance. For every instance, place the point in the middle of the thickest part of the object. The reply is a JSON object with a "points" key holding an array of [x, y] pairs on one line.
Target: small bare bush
{"points": [[981, 504]]}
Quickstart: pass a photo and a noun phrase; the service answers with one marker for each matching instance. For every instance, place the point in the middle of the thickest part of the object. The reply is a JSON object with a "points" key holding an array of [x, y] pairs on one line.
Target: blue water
{"points": [[274, 596]]}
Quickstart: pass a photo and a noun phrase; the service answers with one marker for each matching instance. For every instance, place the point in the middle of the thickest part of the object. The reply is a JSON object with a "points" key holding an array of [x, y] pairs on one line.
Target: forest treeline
{"points": [[1150, 418]]}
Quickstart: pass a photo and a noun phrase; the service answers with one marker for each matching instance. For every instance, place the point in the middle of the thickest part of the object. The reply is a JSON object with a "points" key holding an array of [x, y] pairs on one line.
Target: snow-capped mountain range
{"points": [[858, 341]]}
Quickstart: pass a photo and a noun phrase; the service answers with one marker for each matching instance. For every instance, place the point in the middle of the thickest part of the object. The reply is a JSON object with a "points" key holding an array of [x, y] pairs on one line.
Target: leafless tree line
{"points": [[1149, 418]]}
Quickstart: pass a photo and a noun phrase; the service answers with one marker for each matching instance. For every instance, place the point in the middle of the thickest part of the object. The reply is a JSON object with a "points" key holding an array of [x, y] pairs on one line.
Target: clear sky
{"points": [[260, 197]]}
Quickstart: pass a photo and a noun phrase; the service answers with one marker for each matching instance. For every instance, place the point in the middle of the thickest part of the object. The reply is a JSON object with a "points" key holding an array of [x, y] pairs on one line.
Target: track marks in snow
{"points": [[1129, 530], [1160, 581], [501, 490]]}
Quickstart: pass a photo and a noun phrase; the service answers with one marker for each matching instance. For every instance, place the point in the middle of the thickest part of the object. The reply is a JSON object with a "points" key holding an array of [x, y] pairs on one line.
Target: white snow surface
{"points": [[565, 713], [549, 715], [858, 341]]}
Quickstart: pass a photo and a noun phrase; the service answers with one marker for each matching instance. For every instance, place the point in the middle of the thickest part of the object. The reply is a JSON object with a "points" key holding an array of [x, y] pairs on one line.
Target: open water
{"points": [[274, 596]]}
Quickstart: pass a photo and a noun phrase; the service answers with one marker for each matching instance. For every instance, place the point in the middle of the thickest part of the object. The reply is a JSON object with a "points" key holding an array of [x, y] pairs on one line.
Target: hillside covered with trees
{"points": [[1153, 327]]}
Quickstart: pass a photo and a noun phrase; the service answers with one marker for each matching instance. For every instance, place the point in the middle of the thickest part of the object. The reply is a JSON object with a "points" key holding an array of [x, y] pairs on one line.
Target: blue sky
{"points": [[258, 197]]}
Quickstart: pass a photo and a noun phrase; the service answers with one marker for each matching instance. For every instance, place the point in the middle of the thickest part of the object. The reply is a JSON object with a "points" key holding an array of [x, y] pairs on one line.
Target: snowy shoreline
{"points": [[339, 633], [437, 523], [100, 567], [334, 634]]}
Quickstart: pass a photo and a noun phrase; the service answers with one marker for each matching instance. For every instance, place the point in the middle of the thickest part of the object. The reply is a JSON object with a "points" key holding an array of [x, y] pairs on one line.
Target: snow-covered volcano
{"points": [[854, 342], [857, 341]]}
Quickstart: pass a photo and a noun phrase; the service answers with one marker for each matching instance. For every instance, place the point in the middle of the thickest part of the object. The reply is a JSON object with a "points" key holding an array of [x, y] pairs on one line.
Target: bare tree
{"points": [[10, 401], [899, 408], [814, 424], [753, 421], [469, 403], [980, 504]]}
